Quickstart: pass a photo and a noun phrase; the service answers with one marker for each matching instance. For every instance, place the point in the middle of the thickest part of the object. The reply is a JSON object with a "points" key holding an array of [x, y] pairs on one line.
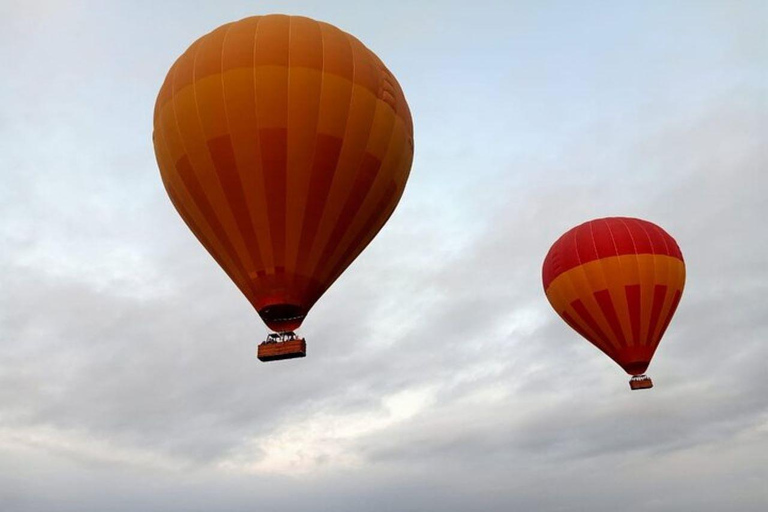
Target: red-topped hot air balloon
{"points": [[285, 145], [617, 282]]}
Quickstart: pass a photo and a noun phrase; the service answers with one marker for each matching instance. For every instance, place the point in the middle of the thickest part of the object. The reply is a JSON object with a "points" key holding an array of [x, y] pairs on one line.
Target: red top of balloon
{"points": [[602, 238]]}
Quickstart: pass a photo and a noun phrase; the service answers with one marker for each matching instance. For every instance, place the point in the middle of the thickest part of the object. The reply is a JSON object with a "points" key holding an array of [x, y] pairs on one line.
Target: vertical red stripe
{"points": [[672, 309], [572, 324], [274, 156], [195, 190], [383, 210], [327, 150], [632, 292], [606, 348], [226, 167], [366, 175], [576, 327], [659, 293], [187, 218], [603, 298], [233, 273], [578, 306]]}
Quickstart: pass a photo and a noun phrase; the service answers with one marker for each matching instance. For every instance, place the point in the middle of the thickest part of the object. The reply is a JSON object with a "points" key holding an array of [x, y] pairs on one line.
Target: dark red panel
{"points": [[366, 175], [383, 211], [603, 298], [192, 185], [659, 294], [327, 150], [576, 327], [187, 217], [632, 292], [672, 309], [274, 158], [223, 157], [587, 318]]}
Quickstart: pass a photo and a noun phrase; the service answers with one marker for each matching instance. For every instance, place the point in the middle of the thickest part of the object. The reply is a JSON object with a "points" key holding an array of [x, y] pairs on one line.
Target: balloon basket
{"points": [[640, 382], [279, 350]]}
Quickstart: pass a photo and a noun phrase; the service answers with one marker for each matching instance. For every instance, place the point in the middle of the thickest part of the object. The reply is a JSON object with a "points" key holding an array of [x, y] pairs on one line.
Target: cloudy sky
{"points": [[438, 377]]}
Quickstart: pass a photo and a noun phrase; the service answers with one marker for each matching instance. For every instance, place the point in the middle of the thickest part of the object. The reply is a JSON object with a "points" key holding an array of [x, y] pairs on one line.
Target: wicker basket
{"points": [[276, 351]]}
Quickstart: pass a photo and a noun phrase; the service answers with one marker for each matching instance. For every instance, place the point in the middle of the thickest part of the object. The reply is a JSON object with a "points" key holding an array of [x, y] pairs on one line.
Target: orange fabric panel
{"points": [[620, 297], [285, 144]]}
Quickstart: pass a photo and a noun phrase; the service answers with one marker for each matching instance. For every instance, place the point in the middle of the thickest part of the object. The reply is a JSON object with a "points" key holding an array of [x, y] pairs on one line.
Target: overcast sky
{"points": [[438, 377]]}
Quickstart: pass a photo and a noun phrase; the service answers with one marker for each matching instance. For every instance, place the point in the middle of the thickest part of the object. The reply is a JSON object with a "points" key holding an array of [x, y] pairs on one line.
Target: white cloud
{"points": [[324, 441]]}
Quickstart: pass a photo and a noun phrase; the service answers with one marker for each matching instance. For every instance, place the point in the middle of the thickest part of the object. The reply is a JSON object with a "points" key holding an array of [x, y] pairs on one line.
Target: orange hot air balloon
{"points": [[617, 282], [285, 145]]}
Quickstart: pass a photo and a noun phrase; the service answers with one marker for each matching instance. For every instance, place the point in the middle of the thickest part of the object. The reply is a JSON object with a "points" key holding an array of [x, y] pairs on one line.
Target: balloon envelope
{"points": [[617, 282], [285, 145]]}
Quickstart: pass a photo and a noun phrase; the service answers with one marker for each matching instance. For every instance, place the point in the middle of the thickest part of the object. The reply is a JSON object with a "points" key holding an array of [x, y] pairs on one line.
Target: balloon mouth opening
{"points": [[636, 368], [282, 317]]}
